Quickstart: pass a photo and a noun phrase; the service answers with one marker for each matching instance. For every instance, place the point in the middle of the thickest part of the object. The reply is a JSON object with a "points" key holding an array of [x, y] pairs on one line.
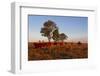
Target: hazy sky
{"points": [[76, 28]]}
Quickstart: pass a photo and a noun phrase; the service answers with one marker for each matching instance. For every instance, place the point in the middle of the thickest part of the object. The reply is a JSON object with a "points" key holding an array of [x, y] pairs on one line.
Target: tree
{"points": [[62, 37], [48, 28], [45, 32], [51, 31], [49, 24], [79, 43], [55, 36]]}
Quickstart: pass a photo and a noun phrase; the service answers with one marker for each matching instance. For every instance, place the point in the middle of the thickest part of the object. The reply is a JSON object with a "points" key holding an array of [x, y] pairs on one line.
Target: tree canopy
{"points": [[51, 31]]}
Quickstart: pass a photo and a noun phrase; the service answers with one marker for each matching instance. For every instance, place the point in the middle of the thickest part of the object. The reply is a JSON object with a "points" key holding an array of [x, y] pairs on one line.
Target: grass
{"points": [[65, 51]]}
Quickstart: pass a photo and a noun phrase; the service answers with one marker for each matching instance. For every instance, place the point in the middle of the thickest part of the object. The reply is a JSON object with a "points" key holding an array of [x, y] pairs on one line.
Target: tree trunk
{"points": [[49, 39]]}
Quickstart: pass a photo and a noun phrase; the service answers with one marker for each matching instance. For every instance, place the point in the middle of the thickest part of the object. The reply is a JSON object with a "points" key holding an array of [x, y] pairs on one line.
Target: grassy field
{"points": [[66, 51]]}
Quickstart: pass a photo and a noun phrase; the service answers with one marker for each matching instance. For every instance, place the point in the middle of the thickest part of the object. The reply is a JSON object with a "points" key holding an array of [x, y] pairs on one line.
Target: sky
{"points": [[75, 27]]}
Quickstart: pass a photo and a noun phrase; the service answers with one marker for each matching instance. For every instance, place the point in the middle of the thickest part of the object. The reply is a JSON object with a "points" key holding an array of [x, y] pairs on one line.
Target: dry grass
{"points": [[66, 51]]}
